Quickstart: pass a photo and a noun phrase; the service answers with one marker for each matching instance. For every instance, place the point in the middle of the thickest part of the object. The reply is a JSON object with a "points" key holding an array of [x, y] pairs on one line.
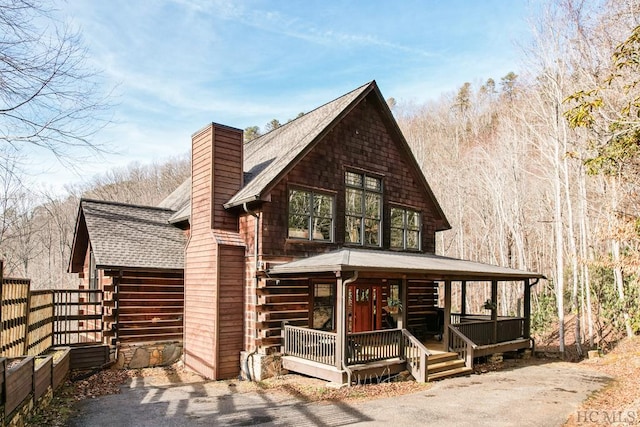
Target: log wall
{"points": [[150, 306]]}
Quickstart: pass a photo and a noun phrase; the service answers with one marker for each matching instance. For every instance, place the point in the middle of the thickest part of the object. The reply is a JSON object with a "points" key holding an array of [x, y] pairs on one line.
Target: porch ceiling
{"points": [[428, 265]]}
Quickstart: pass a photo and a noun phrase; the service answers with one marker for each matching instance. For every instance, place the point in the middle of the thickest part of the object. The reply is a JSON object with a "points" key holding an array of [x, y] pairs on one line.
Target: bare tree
{"points": [[49, 97]]}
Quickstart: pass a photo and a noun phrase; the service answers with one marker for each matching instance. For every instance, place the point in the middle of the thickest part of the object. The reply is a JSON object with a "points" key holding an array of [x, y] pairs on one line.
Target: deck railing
{"points": [[310, 344], [372, 346], [483, 332], [361, 347]]}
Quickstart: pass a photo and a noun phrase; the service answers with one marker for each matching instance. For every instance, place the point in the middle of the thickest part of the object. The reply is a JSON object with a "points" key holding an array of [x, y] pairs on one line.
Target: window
{"points": [[93, 276], [310, 216], [323, 306], [405, 229], [363, 209]]}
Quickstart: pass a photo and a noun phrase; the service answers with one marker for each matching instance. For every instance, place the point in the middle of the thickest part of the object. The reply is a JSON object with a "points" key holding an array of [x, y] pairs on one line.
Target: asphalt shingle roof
{"points": [[133, 236], [435, 266], [266, 157]]}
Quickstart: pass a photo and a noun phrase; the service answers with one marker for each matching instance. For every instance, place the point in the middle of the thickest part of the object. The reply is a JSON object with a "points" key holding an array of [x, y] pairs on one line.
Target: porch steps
{"points": [[445, 365]]}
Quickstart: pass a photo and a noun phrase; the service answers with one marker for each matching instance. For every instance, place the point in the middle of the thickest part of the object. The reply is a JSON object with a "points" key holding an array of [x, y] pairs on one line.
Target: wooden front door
{"points": [[364, 306]]}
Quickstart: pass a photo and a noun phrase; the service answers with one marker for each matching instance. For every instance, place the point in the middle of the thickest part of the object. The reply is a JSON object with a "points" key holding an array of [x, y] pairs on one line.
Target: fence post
{"points": [[27, 317], [2, 333]]}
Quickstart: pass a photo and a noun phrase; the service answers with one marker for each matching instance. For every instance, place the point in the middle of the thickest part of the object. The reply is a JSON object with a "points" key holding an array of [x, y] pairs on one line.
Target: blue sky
{"points": [[177, 65]]}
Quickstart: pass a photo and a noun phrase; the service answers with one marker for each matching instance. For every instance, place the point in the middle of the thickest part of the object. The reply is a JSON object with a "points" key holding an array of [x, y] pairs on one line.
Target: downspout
{"points": [[256, 231], [531, 339], [346, 283]]}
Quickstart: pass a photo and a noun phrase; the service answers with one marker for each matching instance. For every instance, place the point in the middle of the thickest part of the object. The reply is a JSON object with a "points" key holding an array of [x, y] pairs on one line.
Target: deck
{"points": [[368, 355]]}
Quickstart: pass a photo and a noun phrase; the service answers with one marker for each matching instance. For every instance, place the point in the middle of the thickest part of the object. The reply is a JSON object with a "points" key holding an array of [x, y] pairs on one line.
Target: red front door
{"points": [[364, 307]]}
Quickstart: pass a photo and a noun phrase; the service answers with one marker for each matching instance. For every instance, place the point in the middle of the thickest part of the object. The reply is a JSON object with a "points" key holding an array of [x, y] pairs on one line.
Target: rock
{"points": [[140, 359]]}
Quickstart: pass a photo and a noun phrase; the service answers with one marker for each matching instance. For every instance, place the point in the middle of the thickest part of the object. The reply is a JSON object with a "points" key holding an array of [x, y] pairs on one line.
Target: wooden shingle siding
{"points": [[362, 140]]}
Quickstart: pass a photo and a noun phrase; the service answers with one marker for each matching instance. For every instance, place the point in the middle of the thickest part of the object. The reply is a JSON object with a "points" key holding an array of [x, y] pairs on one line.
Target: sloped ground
{"points": [[619, 402]]}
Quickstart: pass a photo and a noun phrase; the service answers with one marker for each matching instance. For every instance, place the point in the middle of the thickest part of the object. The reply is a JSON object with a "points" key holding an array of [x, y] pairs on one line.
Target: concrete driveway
{"points": [[532, 395]]}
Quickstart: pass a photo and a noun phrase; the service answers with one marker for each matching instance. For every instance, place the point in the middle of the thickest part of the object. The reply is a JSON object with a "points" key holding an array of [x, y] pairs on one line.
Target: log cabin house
{"points": [[312, 246]]}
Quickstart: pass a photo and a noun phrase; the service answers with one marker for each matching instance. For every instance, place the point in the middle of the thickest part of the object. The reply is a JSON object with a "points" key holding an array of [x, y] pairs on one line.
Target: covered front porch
{"points": [[429, 341]]}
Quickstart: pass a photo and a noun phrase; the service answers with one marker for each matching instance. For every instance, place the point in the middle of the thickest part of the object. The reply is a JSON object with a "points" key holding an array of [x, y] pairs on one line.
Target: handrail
{"points": [[416, 356], [461, 344]]}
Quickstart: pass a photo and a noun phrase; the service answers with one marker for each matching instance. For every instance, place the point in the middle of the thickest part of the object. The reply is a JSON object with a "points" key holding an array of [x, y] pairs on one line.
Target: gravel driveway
{"points": [[533, 395]]}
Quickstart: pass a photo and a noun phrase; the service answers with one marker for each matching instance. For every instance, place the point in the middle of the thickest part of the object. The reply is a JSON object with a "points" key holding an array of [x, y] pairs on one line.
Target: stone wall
{"points": [[145, 355], [257, 367]]}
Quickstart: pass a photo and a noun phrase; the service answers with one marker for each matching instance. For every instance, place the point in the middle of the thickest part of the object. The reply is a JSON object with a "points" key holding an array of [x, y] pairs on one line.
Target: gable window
{"points": [[405, 229], [363, 209], [310, 216]]}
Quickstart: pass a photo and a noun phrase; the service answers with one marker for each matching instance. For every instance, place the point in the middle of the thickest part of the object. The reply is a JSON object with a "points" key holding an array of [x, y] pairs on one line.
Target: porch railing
{"points": [[483, 332], [310, 344], [368, 347], [361, 347]]}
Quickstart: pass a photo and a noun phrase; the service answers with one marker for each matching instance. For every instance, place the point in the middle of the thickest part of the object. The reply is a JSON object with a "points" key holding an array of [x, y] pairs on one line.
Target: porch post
{"points": [[463, 297], [494, 309], [527, 309], [447, 313], [402, 321], [340, 322]]}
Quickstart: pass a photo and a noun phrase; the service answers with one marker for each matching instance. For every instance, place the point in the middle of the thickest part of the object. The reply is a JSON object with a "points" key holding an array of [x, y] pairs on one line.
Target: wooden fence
{"points": [[26, 319], [31, 322], [29, 381]]}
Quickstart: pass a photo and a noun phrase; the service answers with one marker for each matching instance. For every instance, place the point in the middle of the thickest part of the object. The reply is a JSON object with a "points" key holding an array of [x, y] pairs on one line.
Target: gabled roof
{"points": [[268, 158], [432, 266], [130, 236]]}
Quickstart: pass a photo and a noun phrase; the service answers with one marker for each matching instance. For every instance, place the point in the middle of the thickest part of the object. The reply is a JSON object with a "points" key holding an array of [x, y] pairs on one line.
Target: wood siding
{"points": [[280, 301], [361, 141], [150, 306], [214, 285], [230, 332], [200, 307], [422, 300], [227, 175]]}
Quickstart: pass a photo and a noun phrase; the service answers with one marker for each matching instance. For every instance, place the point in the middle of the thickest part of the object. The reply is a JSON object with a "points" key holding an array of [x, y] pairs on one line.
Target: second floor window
{"points": [[363, 209], [405, 229], [310, 215]]}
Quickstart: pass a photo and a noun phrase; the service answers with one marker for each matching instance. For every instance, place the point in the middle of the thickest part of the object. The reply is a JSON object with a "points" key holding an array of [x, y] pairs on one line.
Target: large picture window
{"points": [[405, 229], [363, 209], [310, 216]]}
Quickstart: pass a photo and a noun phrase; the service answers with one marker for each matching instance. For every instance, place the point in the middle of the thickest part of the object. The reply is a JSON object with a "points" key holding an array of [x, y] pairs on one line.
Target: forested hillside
{"points": [[37, 229], [537, 170]]}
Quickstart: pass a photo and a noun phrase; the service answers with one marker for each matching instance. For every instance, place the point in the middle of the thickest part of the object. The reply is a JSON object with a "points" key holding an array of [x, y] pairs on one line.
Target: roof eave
{"points": [[439, 274], [235, 203]]}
